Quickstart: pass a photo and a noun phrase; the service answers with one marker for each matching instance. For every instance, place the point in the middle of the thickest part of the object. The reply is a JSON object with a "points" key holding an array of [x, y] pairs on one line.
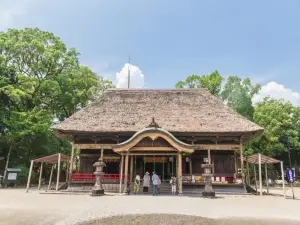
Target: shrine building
{"points": [[167, 131]]}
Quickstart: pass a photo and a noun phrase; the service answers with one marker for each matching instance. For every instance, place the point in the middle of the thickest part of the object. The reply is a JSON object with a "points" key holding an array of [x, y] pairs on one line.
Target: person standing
{"points": [[137, 183], [173, 185], [155, 181], [158, 185], [146, 183]]}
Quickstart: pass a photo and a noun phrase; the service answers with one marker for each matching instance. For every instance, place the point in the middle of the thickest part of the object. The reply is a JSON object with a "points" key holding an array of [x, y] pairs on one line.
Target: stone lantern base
{"points": [[208, 190], [97, 192]]}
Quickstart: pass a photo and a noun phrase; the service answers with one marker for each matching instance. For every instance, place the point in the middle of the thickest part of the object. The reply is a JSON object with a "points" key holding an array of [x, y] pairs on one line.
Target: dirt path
{"points": [[18, 207]]}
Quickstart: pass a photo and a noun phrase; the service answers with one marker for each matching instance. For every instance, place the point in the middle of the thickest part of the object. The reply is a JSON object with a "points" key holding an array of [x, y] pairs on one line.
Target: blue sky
{"points": [[169, 40]]}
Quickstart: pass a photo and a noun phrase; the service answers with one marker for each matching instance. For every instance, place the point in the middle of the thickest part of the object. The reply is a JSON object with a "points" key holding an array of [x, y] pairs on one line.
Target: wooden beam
{"points": [[40, 178], [50, 179], [121, 173], [163, 154], [29, 176], [93, 146], [71, 165], [126, 173], [179, 173], [217, 146], [153, 149], [58, 172]]}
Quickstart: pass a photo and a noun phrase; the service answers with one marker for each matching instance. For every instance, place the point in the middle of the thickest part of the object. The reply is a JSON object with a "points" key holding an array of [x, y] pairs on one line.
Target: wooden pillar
{"points": [[29, 176], [179, 173], [208, 156], [242, 161], [40, 178], [126, 172], [191, 165], [255, 177], [248, 173], [121, 173], [78, 162], [131, 168], [102, 154], [71, 167], [67, 171], [282, 177], [260, 177], [266, 175], [58, 171], [235, 165], [50, 179]]}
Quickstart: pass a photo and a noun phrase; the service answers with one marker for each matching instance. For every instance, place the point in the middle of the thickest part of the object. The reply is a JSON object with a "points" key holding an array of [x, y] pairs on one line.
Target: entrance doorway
{"points": [[163, 166]]}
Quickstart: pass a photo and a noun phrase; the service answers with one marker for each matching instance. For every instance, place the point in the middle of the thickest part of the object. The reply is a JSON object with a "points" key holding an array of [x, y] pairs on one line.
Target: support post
{"points": [[179, 173], [163, 170], [242, 161], [248, 173], [209, 157], [266, 175], [260, 176], [40, 178], [282, 177], [121, 173], [235, 165], [29, 176], [126, 172], [71, 167], [254, 165], [131, 167], [191, 165], [50, 179], [67, 171], [58, 172]]}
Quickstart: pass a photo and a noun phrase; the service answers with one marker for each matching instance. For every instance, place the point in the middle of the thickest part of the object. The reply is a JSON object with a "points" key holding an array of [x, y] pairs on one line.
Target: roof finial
{"points": [[153, 124]]}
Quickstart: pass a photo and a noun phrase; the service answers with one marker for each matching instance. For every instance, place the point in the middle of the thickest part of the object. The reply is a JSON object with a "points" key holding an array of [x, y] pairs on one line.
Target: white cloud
{"points": [[277, 91], [136, 77]]}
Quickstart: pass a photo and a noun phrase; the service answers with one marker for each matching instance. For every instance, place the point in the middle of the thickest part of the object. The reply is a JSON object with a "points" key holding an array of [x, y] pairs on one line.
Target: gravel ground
{"points": [[173, 219], [18, 207]]}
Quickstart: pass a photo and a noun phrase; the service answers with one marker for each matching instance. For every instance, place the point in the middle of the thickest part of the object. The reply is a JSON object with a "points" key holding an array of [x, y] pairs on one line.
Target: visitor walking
{"points": [[155, 181], [146, 183], [137, 183], [173, 185]]}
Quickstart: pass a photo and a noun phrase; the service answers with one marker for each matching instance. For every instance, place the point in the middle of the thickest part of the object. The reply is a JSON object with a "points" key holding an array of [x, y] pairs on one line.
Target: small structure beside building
{"points": [[167, 131]]}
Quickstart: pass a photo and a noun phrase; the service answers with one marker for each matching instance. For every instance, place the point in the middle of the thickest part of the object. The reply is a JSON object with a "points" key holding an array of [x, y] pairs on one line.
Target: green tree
{"points": [[281, 122], [238, 94], [213, 82], [41, 81]]}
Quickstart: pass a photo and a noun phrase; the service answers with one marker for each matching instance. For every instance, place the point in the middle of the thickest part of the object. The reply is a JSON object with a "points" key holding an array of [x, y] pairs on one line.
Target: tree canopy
{"points": [[41, 82], [279, 118]]}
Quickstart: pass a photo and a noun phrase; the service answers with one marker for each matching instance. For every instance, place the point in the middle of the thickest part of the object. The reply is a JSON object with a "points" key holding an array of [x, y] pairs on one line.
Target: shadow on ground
{"points": [[175, 219]]}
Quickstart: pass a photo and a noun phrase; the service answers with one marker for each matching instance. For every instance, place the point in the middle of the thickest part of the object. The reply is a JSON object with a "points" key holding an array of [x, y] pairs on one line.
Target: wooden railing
{"points": [[90, 178]]}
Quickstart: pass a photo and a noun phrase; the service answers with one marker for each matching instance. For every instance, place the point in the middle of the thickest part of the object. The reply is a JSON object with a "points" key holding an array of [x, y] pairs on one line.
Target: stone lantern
{"points": [[208, 190], [98, 189]]}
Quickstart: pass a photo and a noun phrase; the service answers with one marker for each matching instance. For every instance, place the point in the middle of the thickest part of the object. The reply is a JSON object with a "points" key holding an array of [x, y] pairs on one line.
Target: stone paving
{"points": [[18, 207]]}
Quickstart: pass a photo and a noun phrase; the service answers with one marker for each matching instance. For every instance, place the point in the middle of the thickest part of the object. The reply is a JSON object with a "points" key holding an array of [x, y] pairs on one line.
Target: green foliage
{"points": [[213, 82], [41, 81], [281, 122], [238, 94], [280, 119]]}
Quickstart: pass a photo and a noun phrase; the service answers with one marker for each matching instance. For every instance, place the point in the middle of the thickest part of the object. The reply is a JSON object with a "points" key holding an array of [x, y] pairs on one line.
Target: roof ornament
{"points": [[153, 124]]}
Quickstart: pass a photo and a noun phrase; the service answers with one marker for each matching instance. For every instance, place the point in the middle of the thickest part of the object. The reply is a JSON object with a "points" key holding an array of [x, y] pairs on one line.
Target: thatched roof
{"points": [[175, 110]]}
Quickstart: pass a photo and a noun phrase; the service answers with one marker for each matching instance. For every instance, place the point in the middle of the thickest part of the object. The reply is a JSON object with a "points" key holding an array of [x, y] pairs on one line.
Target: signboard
{"points": [[12, 176], [290, 175]]}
